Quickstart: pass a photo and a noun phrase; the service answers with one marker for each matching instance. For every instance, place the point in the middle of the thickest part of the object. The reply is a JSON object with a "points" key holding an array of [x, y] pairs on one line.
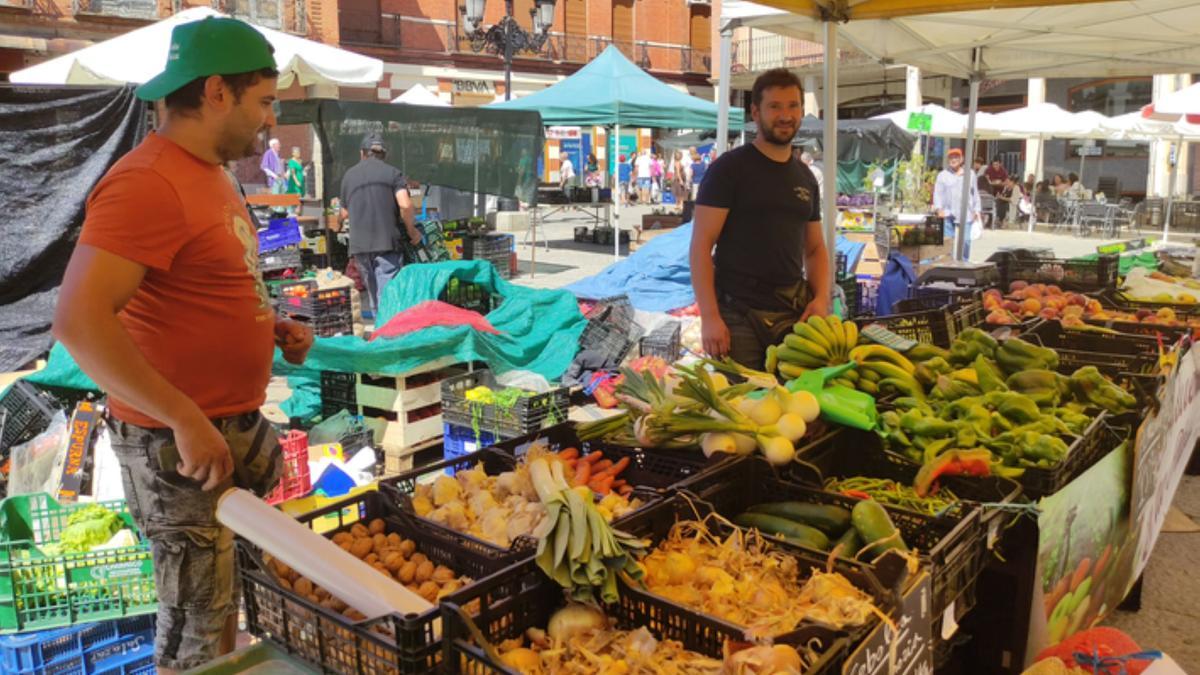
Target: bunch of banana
{"points": [[882, 368], [815, 343]]}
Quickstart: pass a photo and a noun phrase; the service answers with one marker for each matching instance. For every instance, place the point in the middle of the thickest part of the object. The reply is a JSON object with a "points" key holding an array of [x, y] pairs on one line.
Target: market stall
{"points": [[1008, 456]]}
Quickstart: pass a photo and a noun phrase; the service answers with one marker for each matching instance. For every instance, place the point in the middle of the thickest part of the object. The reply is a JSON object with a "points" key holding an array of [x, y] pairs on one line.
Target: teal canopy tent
{"points": [[612, 90]]}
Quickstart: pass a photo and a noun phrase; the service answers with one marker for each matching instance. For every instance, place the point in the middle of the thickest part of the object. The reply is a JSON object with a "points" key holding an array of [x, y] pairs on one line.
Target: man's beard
{"points": [[770, 136], [233, 147]]}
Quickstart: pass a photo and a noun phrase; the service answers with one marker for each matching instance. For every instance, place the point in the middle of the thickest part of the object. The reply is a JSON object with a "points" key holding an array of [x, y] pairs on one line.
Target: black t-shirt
{"points": [[770, 205], [369, 193]]}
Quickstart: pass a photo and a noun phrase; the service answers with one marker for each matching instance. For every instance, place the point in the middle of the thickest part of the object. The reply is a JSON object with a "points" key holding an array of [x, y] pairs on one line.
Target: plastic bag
{"points": [[37, 463], [524, 379]]}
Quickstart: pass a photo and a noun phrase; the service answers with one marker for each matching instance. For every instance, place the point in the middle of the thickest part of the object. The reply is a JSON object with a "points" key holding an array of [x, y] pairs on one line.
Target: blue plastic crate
{"points": [[459, 441], [120, 646], [280, 233]]}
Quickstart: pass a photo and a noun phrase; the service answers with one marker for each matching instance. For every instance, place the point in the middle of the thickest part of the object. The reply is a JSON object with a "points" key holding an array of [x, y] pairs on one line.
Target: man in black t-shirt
{"points": [[375, 199], [761, 208]]}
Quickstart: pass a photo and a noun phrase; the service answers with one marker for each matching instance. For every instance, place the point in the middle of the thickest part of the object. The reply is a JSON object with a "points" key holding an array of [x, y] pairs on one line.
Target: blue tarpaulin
{"points": [[657, 277]]}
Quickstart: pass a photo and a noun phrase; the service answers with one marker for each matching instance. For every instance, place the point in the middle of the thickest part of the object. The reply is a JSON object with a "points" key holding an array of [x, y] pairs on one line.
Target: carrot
{"points": [[616, 469], [569, 453], [601, 466], [593, 457], [625, 490], [583, 473], [618, 483], [601, 484], [570, 463]]}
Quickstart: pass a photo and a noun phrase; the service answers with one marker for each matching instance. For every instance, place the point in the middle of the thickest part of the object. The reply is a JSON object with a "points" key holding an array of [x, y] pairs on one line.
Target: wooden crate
{"points": [[398, 406], [399, 461]]}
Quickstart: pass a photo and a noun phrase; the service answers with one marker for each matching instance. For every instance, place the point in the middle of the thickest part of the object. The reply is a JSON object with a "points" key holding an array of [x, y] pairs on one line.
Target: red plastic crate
{"points": [[296, 481]]}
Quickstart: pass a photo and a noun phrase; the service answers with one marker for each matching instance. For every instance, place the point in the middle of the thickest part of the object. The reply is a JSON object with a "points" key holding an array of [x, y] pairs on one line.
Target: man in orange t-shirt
{"points": [[164, 307]]}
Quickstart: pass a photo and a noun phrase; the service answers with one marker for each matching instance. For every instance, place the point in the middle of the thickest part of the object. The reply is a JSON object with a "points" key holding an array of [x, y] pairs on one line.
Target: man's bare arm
{"points": [[816, 265], [96, 287]]}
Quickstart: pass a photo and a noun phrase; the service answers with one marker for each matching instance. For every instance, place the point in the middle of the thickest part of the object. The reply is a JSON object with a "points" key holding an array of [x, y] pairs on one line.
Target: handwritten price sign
{"points": [[906, 650]]}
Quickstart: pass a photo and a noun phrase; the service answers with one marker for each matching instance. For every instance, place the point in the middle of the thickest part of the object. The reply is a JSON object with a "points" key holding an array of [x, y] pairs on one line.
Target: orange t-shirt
{"points": [[201, 316]]}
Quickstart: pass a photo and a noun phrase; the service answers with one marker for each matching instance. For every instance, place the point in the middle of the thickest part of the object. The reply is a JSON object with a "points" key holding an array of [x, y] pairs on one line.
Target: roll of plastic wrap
{"points": [[347, 578]]}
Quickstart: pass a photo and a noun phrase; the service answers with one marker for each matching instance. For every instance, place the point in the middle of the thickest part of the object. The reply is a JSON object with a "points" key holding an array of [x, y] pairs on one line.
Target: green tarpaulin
{"points": [[612, 90], [471, 149], [539, 332]]}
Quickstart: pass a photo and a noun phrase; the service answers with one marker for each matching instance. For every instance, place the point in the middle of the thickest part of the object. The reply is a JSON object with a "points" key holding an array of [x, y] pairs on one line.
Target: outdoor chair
{"points": [[987, 208], [1048, 209], [1089, 215]]}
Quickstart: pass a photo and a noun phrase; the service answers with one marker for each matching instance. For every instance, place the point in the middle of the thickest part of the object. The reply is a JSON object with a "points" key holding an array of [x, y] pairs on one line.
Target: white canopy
{"points": [[140, 54], [1043, 120], [1061, 39], [1176, 106], [945, 123], [1134, 126], [419, 95]]}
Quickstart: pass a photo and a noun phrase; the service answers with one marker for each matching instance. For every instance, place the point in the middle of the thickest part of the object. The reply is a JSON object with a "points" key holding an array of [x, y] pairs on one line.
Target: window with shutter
{"points": [[700, 25], [575, 15]]}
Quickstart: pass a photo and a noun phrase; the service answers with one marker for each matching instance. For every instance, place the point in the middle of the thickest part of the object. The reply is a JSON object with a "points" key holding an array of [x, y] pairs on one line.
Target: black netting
{"points": [[55, 145], [471, 149]]}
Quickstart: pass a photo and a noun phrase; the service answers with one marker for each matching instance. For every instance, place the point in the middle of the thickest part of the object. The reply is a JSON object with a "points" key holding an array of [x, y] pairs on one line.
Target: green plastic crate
{"points": [[39, 592]]}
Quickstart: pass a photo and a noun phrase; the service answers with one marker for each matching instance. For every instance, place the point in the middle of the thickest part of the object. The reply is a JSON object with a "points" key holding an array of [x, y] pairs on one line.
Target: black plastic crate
{"points": [[852, 453], [526, 415], [279, 260], [932, 326], [611, 329], [25, 412], [318, 303], [854, 296], [951, 549], [505, 615], [1071, 275], [654, 469], [279, 288], [1087, 449], [334, 642], [934, 297], [401, 488], [654, 524], [1113, 297], [470, 296], [1112, 354], [662, 342]]}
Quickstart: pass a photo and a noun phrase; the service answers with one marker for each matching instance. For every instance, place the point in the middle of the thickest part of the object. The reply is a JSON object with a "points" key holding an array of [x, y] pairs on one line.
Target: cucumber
{"points": [[792, 532], [830, 519], [850, 542], [873, 525]]}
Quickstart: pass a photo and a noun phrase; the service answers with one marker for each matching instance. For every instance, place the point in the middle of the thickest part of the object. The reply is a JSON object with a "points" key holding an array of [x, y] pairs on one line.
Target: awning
{"points": [[139, 55]]}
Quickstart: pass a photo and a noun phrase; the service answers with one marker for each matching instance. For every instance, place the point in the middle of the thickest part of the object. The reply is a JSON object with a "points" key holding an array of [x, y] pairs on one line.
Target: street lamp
{"points": [[507, 37]]}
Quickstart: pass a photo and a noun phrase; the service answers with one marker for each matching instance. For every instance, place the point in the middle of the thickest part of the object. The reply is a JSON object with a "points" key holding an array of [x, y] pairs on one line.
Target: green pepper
{"points": [[1001, 422], [966, 437], [983, 339], [1018, 408], [990, 377], [919, 424], [935, 448]]}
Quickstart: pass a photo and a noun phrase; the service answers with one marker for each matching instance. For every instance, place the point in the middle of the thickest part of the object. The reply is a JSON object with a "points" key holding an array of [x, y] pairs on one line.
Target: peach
{"points": [[1072, 322], [1031, 306], [1000, 317], [1011, 306], [1053, 290], [1048, 313], [1093, 305], [1072, 310], [1017, 285], [1076, 299]]}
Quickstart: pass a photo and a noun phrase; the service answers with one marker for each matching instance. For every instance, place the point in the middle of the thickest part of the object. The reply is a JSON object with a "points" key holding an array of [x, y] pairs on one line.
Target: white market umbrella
{"points": [[945, 123], [419, 95], [141, 54], [1176, 106]]}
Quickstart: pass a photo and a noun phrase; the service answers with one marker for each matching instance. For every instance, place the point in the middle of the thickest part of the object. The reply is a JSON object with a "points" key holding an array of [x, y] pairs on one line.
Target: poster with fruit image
{"points": [[1085, 551]]}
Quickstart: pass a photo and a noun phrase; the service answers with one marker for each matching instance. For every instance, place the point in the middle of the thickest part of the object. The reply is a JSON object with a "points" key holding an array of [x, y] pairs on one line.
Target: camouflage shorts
{"points": [[194, 563]]}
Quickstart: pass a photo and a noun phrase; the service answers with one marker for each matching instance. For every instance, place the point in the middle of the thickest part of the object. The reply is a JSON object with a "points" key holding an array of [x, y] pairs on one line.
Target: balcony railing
{"points": [[16, 4], [441, 36], [123, 9], [760, 51], [286, 15]]}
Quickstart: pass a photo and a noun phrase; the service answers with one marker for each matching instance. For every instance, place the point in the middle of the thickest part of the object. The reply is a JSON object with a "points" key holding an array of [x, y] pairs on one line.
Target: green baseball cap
{"points": [[211, 46]]}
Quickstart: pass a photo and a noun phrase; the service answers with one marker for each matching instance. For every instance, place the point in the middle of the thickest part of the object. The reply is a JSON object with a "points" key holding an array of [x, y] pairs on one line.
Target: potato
{"points": [[285, 584], [361, 547], [320, 592], [303, 586], [345, 544], [448, 588], [394, 539], [328, 603], [382, 570], [443, 574], [408, 547], [407, 572], [417, 557], [354, 614], [359, 530], [376, 526], [371, 559], [312, 597], [393, 561], [380, 542], [342, 536], [281, 568], [429, 591], [424, 572], [338, 605]]}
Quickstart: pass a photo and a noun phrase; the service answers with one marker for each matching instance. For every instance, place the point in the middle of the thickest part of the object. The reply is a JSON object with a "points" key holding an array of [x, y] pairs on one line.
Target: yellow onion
{"points": [[765, 411], [804, 404], [791, 426], [717, 442], [745, 444], [777, 449]]}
